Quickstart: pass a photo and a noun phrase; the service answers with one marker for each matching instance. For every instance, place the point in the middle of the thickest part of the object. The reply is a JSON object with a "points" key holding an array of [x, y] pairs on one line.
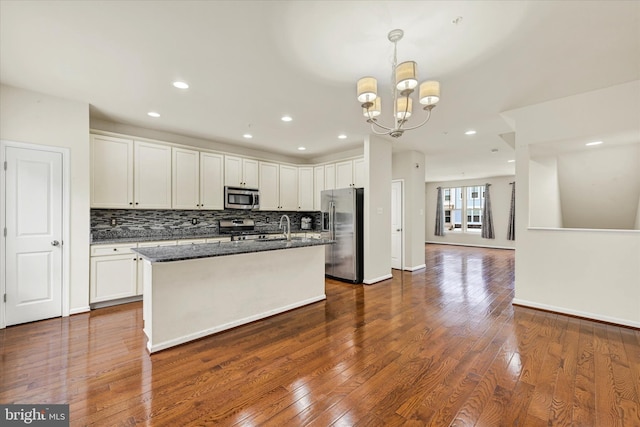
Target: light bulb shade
{"points": [[406, 75], [404, 106], [429, 93], [367, 89], [373, 111]]}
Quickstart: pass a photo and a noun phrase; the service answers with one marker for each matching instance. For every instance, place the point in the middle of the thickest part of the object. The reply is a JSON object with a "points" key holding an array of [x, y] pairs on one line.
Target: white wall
{"points": [[590, 273], [600, 187], [500, 204], [31, 117], [409, 166], [377, 210], [544, 193]]}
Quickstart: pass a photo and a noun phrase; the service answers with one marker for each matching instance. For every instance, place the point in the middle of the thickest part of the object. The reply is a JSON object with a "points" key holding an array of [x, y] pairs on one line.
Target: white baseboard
{"points": [[466, 244], [377, 279], [79, 310], [126, 300], [417, 267], [578, 313]]}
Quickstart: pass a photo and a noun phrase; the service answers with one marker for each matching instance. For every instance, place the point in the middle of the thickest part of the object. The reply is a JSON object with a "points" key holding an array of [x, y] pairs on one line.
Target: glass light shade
{"points": [[367, 89], [429, 93], [406, 73], [374, 110], [404, 104]]}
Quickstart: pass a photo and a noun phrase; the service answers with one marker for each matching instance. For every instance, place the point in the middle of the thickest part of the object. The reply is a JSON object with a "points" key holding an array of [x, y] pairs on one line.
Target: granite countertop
{"points": [[206, 250]]}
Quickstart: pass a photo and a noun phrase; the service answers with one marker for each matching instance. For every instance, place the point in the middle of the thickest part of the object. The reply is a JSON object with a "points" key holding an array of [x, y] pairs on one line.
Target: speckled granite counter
{"points": [[206, 250]]}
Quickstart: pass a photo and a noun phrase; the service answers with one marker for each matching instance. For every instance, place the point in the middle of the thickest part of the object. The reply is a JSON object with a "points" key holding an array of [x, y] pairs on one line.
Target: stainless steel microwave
{"points": [[241, 198]]}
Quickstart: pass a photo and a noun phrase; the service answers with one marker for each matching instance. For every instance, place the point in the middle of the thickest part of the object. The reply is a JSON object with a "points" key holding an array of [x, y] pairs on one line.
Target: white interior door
{"points": [[33, 235], [396, 225]]}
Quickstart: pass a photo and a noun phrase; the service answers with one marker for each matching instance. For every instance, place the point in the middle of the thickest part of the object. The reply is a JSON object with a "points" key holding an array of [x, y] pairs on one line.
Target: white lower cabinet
{"points": [[116, 271], [113, 273]]}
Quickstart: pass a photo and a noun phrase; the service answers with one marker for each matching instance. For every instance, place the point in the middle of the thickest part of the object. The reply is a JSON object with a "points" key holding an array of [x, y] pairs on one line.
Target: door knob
{"points": [[55, 243]]}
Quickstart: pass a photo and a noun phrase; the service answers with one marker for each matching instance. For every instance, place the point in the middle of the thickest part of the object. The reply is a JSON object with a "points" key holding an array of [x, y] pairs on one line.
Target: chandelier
{"points": [[403, 82]]}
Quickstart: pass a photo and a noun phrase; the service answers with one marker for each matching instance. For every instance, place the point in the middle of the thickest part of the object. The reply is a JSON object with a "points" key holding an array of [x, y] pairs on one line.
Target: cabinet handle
{"points": [[115, 249], [135, 259], [137, 203], [130, 203]]}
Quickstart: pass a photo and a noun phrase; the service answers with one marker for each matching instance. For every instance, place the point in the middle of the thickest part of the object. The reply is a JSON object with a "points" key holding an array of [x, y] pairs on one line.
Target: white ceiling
{"points": [[250, 62]]}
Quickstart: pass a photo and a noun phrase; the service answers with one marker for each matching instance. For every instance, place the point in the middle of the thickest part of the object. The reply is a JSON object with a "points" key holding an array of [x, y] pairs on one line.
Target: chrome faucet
{"points": [[287, 234]]}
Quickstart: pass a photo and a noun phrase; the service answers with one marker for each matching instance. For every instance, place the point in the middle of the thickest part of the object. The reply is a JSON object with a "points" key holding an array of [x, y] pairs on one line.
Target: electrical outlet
{"points": [[114, 222], [194, 221]]}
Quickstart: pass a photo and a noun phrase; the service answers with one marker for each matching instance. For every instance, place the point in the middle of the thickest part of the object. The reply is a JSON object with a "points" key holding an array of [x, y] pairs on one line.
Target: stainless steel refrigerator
{"points": [[342, 215]]}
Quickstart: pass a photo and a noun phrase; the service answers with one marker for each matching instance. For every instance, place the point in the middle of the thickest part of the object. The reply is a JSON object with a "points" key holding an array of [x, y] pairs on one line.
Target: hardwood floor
{"points": [[441, 346]]}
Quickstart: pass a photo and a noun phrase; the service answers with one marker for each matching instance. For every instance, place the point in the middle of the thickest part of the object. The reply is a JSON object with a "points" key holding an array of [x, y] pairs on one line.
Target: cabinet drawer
{"points": [[156, 244], [218, 239], [119, 249], [191, 241]]}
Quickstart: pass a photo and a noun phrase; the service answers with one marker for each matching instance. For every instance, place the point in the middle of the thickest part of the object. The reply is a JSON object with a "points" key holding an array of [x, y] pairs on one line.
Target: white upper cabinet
{"points": [[305, 188], [241, 172], [318, 186], [288, 188], [211, 181], [329, 177], [278, 187], [152, 176], [111, 172], [269, 186], [197, 180], [350, 173], [344, 174], [185, 179]]}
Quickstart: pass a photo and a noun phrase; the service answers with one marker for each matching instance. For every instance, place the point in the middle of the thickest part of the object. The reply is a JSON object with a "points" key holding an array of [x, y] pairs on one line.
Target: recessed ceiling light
{"points": [[286, 118], [302, 148], [510, 161], [247, 135], [470, 132], [593, 143], [153, 114], [181, 85], [342, 136]]}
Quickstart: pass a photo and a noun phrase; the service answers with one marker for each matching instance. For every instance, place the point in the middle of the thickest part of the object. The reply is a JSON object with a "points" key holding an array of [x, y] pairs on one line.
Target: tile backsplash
{"points": [[114, 223]]}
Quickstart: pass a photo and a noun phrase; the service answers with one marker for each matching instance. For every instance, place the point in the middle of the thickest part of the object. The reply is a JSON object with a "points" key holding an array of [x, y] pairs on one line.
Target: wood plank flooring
{"points": [[442, 346]]}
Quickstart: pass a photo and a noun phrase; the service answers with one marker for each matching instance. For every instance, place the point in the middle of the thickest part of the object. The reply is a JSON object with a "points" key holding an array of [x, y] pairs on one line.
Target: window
{"points": [[459, 200]]}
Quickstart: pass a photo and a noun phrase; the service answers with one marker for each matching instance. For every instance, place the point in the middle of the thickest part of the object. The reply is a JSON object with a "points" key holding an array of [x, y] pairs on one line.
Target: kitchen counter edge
{"points": [[207, 250]]}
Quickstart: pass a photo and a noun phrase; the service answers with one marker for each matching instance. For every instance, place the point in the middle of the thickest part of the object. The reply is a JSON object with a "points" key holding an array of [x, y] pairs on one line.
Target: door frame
{"points": [[402, 239], [66, 203]]}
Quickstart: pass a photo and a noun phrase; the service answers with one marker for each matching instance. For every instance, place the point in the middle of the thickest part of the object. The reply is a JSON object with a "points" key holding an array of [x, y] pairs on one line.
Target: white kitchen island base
{"points": [[189, 299]]}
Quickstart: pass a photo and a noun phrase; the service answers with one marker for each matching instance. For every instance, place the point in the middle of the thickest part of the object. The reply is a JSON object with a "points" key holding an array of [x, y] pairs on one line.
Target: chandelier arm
{"points": [[373, 122], [421, 124], [381, 133]]}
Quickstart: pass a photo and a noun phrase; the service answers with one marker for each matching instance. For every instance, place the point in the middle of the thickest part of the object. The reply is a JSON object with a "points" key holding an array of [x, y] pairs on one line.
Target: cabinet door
{"points": [[250, 173], [269, 197], [318, 186], [329, 177], [344, 174], [359, 172], [185, 179], [288, 188], [111, 172], [305, 188], [211, 181], [152, 176], [232, 171], [112, 277]]}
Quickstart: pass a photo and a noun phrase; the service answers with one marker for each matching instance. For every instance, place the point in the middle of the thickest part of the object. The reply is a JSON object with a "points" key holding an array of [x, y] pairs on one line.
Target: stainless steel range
{"points": [[245, 229]]}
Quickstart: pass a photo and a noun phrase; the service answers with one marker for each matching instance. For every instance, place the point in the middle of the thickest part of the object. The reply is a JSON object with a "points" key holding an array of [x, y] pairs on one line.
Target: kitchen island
{"points": [[197, 290]]}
